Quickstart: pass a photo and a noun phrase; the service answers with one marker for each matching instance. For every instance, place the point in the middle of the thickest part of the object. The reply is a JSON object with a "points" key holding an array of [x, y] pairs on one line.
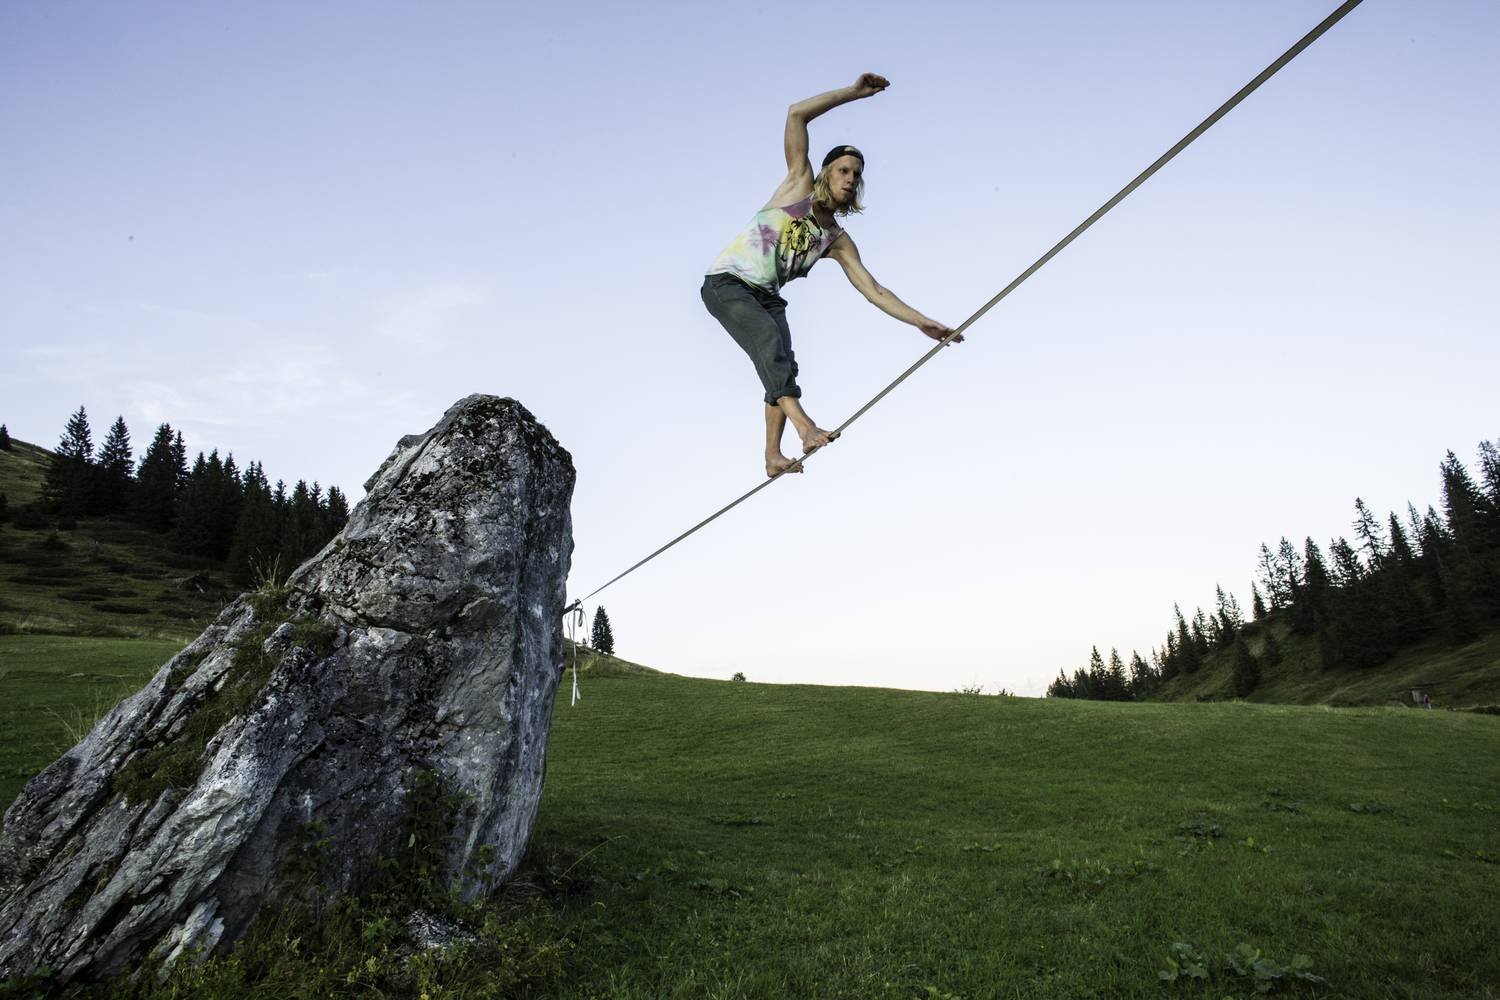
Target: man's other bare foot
{"points": [[779, 463], [816, 437]]}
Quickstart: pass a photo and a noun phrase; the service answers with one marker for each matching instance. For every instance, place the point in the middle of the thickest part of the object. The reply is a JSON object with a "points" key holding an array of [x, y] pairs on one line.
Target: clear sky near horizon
{"points": [[297, 232]]}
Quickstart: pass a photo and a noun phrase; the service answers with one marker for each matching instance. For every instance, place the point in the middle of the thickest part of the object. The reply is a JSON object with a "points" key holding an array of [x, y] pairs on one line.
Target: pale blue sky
{"points": [[299, 231]]}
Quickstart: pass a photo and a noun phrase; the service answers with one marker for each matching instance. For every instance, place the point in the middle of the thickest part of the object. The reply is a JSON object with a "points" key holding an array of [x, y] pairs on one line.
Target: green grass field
{"points": [[712, 839], [55, 687]]}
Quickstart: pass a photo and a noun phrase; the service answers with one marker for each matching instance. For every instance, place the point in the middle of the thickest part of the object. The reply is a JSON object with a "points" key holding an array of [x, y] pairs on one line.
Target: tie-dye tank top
{"points": [[779, 244]]}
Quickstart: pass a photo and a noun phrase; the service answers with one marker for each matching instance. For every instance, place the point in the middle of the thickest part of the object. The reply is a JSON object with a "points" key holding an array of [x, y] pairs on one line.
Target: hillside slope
{"points": [[1455, 675], [98, 576]]}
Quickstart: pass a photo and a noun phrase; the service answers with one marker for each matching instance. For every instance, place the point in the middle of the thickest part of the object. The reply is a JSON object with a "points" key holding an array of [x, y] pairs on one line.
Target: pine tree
{"points": [[1465, 506], [1474, 534], [116, 468], [300, 535], [1098, 677], [4, 439], [1142, 677], [1292, 569], [338, 511], [192, 529], [1246, 676], [1119, 684], [1357, 634], [252, 552], [1400, 549], [1081, 686], [603, 638], [1257, 604], [1371, 540], [222, 508], [1201, 636], [1312, 607], [1273, 578], [70, 475], [1455, 612], [1060, 688], [1400, 600], [1171, 662], [1414, 524], [156, 481], [1227, 618], [1347, 570], [1189, 658], [1489, 468], [179, 461]]}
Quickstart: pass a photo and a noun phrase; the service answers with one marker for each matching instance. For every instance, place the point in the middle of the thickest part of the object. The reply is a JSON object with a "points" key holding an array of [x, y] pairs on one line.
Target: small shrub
{"points": [[738, 676], [1245, 962]]}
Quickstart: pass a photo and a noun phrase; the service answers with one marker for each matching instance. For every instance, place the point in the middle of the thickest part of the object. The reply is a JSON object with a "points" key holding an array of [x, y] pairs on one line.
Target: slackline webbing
{"points": [[1120, 196]]}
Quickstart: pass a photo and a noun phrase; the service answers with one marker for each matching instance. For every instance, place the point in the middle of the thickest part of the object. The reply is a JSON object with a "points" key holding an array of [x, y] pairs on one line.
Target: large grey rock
{"points": [[425, 639]]}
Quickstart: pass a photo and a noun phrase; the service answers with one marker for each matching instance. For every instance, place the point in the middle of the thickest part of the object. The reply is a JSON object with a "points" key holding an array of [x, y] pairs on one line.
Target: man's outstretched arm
{"points": [[847, 254]]}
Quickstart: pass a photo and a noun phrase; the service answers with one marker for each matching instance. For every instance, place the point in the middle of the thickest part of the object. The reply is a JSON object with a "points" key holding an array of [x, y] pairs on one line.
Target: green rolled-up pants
{"points": [[756, 319]]}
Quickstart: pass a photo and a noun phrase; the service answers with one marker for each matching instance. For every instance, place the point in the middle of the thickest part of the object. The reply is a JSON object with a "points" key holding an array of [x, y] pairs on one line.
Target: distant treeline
{"points": [[213, 509], [1397, 583]]}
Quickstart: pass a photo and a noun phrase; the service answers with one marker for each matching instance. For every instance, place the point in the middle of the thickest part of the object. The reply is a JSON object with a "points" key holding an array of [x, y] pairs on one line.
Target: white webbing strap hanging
{"points": [[574, 614]]}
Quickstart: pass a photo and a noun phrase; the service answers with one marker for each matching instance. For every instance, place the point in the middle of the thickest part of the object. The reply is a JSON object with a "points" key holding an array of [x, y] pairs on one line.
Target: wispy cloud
{"points": [[272, 385], [419, 317]]}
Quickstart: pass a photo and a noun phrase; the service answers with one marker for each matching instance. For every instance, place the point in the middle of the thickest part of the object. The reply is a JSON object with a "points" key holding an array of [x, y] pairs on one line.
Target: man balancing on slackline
{"points": [[797, 226]]}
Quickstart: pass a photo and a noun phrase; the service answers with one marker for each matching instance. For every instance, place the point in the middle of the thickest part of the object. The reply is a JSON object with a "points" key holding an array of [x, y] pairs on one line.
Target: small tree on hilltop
{"points": [[603, 637], [4, 439], [116, 470], [70, 476], [155, 501], [1118, 684]]}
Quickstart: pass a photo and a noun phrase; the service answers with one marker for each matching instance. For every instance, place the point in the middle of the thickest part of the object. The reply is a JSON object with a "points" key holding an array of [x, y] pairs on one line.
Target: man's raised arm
{"points": [[799, 114]]}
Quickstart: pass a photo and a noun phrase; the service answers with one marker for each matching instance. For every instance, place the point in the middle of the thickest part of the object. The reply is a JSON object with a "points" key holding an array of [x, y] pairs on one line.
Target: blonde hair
{"points": [[823, 195]]}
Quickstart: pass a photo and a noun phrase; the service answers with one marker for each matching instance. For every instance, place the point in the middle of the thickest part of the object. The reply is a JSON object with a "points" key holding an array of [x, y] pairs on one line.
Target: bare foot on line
{"points": [[780, 463], [816, 437]]}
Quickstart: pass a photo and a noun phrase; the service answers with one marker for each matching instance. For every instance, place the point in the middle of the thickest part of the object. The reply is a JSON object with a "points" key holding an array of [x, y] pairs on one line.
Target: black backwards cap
{"points": [[837, 151]]}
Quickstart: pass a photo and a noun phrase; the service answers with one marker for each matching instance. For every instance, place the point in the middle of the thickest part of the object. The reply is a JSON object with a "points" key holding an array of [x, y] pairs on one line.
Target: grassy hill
{"points": [[1456, 676], [98, 577], [711, 839]]}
